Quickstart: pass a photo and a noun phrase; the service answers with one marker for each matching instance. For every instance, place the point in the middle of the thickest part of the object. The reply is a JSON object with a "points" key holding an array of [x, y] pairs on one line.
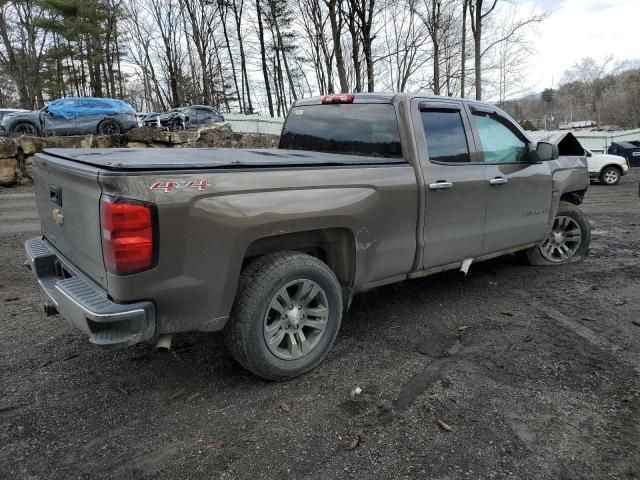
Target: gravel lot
{"points": [[535, 371]]}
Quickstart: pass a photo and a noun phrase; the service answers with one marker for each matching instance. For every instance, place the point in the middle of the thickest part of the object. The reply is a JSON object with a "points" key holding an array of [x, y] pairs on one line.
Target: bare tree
{"points": [[263, 57], [588, 82], [23, 42], [477, 17], [463, 54], [203, 23], [335, 20], [236, 7], [406, 41]]}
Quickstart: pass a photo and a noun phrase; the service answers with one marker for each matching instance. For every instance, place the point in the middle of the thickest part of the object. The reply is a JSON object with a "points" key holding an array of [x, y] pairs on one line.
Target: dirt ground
{"points": [[535, 371]]}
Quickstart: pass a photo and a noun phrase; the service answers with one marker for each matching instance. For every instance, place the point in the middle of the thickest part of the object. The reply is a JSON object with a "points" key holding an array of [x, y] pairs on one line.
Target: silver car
{"points": [[72, 116]]}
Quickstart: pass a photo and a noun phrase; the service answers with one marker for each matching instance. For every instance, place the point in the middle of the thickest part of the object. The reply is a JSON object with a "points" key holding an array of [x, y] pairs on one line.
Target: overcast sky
{"points": [[580, 28]]}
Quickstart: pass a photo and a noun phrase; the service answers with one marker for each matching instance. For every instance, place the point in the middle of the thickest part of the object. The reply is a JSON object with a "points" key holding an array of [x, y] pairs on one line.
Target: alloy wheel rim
{"points": [[563, 241], [611, 176], [296, 319]]}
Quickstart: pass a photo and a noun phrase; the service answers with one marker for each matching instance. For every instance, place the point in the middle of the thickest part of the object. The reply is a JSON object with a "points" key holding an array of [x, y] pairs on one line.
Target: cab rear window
{"points": [[349, 129]]}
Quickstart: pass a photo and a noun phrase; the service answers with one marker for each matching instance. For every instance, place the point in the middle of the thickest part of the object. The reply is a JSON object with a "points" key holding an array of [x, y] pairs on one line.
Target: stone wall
{"points": [[16, 154]]}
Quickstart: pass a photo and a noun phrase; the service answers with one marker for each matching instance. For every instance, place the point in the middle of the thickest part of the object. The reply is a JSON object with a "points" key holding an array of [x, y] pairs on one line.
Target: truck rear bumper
{"points": [[84, 304]]}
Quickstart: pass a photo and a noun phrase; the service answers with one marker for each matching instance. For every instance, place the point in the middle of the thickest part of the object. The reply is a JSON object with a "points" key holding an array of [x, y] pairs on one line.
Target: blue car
{"points": [[72, 116]]}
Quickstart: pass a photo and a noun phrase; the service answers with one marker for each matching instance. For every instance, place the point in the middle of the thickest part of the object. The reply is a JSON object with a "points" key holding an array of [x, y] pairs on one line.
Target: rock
{"points": [[28, 167], [76, 141], [109, 141], [30, 145], [8, 147], [136, 145], [225, 138], [217, 127], [147, 135], [185, 136], [8, 171]]}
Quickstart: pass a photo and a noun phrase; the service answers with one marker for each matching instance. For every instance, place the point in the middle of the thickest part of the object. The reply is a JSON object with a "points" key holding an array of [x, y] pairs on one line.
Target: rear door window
{"points": [[446, 137], [349, 129]]}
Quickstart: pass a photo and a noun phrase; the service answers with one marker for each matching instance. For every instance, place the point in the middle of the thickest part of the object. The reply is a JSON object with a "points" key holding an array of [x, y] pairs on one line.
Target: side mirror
{"points": [[547, 151]]}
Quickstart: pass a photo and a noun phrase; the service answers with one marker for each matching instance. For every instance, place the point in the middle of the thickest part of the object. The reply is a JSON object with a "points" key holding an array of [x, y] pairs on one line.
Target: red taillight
{"points": [[128, 237], [341, 98]]}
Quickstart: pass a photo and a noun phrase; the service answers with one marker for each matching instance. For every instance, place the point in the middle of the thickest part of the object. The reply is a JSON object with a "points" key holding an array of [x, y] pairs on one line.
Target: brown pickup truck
{"points": [[271, 245]]}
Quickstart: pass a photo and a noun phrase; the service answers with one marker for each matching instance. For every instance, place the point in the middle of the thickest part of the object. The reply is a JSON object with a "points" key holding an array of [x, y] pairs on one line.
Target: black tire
{"points": [[108, 127], [538, 255], [25, 128], [260, 282], [610, 175]]}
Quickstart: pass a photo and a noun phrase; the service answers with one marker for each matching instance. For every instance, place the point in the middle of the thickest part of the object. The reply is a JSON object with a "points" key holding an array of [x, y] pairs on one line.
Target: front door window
{"points": [[499, 143]]}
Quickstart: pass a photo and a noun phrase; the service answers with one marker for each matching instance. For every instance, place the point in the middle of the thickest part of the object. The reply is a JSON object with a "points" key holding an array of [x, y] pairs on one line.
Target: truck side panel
{"points": [[204, 235]]}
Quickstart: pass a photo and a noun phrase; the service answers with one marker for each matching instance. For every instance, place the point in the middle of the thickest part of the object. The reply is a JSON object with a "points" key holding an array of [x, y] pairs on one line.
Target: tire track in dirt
{"points": [[586, 333]]}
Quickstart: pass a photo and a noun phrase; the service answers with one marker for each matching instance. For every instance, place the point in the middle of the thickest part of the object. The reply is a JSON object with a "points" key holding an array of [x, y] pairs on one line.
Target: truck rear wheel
{"points": [[567, 242], [286, 315]]}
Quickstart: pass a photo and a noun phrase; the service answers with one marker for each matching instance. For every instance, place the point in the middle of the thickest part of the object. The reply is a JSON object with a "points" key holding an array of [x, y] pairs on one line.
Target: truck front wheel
{"points": [[567, 242], [610, 175], [286, 315]]}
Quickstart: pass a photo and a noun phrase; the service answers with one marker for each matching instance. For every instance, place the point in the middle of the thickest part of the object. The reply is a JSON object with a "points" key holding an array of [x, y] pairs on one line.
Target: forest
{"points": [[605, 93], [259, 56]]}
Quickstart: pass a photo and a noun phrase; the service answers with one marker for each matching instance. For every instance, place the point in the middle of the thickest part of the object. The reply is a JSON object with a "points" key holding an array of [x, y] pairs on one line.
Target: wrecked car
{"points": [[73, 116], [270, 246], [183, 118]]}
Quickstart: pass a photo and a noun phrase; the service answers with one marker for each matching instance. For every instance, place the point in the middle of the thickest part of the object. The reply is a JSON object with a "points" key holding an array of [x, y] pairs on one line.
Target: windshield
{"points": [[349, 129]]}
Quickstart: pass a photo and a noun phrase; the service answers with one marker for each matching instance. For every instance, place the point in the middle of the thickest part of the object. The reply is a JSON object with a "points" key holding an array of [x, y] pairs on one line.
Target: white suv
{"points": [[609, 169]]}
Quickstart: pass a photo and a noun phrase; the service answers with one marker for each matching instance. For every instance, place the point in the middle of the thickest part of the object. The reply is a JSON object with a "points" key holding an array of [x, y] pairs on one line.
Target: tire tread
{"points": [[256, 279]]}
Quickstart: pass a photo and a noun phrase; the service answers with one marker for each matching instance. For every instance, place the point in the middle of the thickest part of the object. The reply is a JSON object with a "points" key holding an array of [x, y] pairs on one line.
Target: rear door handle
{"points": [[440, 185], [498, 181]]}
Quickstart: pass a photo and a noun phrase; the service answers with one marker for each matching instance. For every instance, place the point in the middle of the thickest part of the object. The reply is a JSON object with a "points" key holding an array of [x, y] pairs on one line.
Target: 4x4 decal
{"points": [[170, 186]]}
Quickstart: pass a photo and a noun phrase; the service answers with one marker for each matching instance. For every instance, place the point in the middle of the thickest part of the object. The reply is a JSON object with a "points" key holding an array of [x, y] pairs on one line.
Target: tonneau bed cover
{"points": [[124, 159]]}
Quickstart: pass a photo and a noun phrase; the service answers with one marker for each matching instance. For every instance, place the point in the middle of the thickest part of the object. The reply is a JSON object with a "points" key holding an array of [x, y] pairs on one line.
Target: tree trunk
{"points": [[243, 63], [463, 60], [355, 45], [367, 47], [337, 46], [263, 58], [477, 38], [223, 18], [282, 49]]}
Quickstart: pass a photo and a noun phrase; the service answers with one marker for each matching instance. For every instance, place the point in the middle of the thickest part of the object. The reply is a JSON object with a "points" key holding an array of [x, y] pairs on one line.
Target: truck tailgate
{"points": [[68, 203]]}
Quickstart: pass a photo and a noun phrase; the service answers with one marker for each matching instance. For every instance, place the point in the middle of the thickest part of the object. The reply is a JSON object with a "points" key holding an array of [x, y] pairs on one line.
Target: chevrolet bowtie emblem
{"points": [[57, 216]]}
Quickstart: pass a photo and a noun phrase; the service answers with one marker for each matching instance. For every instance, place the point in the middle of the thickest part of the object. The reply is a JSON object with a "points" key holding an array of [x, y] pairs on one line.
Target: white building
{"points": [[599, 141]]}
